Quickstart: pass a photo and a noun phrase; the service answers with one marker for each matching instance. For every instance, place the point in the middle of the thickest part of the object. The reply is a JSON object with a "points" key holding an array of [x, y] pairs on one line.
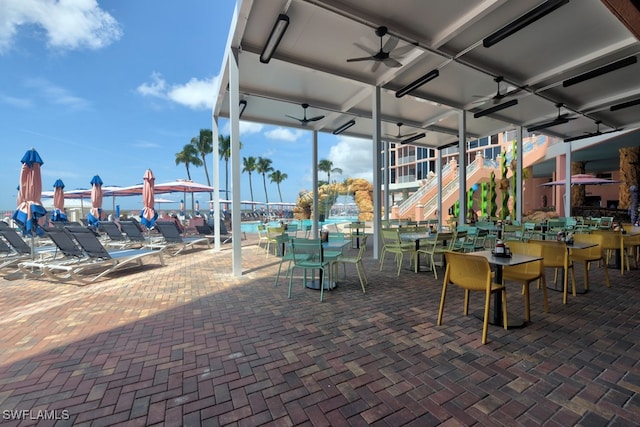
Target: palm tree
{"points": [[224, 149], [249, 166], [204, 145], [263, 166], [327, 166], [188, 156], [277, 177]]}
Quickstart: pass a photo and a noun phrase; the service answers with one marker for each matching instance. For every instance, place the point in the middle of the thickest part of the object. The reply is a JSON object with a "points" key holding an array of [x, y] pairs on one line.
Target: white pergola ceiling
{"points": [[310, 66]]}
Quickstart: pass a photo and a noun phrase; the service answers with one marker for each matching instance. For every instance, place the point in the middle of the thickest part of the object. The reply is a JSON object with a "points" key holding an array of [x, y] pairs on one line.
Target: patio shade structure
{"points": [[57, 214], [460, 62], [582, 179], [148, 215], [29, 207], [95, 214]]}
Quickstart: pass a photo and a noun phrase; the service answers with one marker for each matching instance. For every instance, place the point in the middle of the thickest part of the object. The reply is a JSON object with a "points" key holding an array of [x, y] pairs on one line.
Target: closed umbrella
{"points": [[95, 214], [58, 202], [148, 215], [197, 213], [182, 207], [29, 208]]}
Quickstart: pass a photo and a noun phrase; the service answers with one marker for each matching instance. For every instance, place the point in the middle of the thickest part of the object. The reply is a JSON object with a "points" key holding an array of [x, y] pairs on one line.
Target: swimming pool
{"points": [[252, 226]]}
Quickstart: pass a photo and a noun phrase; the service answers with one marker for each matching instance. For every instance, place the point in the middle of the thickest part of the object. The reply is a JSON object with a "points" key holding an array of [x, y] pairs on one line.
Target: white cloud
{"points": [[57, 95], [248, 128], [195, 94], [284, 134], [353, 156], [68, 24], [16, 102]]}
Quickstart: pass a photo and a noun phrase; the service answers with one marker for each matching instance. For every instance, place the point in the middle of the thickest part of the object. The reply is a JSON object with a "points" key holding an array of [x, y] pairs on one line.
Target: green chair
{"points": [[392, 244], [436, 247], [307, 256], [357, 261]]}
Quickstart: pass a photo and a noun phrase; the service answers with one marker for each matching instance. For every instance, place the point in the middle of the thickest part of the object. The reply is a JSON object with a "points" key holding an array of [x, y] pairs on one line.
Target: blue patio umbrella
{"points": [[95, 214], [117, 211], [57, 214], [29, 208], [197, 213]]}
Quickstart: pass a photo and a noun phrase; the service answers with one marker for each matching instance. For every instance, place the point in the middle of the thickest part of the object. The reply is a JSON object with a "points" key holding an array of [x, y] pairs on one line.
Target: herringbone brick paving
{"points": [[189, 344]]}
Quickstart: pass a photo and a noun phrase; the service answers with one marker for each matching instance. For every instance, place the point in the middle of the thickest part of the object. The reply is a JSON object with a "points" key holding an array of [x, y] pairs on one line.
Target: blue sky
{"points": [[115, 87]]}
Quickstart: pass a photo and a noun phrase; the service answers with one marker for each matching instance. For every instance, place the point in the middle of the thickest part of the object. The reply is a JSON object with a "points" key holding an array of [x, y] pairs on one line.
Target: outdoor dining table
{"points": [[416, 237], [499, 262], [358, 229], [330, 251]]}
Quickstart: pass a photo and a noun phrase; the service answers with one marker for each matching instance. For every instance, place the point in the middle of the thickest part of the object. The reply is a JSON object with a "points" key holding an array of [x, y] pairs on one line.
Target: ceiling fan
{"points": [[499, 96], [382, 56], [400, 135], [304, 120], [589, 134]]}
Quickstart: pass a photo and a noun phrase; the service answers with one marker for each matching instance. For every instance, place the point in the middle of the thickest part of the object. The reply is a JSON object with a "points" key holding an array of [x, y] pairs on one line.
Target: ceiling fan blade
{"points": [[367, 49], [375, 66], [364, 58], [390, 44], [402, 51], [407, 135], [390, 62], [315, 119]]}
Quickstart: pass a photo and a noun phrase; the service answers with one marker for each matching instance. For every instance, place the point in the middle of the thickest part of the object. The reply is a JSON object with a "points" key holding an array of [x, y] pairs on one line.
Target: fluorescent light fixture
{"points": [[274, 38], [556, 122], [417, 83], [526, 19], [495, 108], [344, 127], [243, 106], [600, 71], [413, 138], [625, 105]]}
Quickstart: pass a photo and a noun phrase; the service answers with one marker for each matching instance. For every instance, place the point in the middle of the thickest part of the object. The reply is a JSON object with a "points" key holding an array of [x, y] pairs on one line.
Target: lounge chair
{"points": [[21, 247], [117, 237], [81, 240], [172, 237], [208, 231]]}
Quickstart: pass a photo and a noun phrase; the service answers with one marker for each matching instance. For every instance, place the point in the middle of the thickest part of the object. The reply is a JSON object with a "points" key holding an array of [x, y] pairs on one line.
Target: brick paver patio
{"points": [[189, 344]]}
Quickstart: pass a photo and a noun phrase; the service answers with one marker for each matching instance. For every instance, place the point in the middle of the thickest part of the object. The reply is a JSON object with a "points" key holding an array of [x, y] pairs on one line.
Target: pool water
{"points": [[252, 226]]}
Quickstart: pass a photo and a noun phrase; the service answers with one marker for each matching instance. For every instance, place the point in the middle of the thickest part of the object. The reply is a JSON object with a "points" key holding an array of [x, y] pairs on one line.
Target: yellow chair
{"points": [[556, 255], [357, 261], [588, 255], [527, 273], [631, 245], [262, 237], [275, 236], [472, 273], [612, 241]]}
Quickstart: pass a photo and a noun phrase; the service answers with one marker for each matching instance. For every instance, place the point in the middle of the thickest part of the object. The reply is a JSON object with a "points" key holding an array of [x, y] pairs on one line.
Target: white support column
{"points": [[234, 122], [567, 185], [519, 166], [439, 183], [314, 158], [462, 166], [377, 131], [216, 183], [386, 161]]}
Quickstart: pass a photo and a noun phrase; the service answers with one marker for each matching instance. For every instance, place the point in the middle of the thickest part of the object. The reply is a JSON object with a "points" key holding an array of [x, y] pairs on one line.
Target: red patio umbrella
{"points": [[95, 214], [582, 179], [29, 208], [148, 215], [58, 202]]}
